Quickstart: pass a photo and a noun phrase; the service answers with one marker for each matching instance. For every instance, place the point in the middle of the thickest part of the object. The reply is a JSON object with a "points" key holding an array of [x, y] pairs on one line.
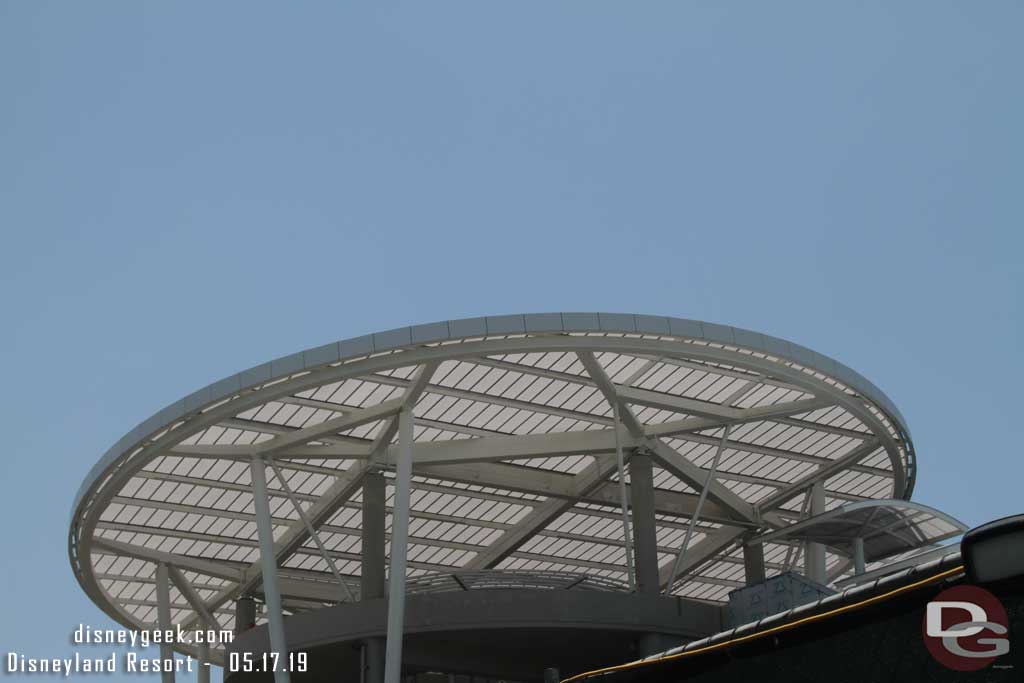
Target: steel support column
{"points": [[753, 563], [645, 540], [245, 614], [268, 565], [624, 500], [163, 616], [399, 538], [373, 582], [858, 556], [203, 672], [814, 553]]}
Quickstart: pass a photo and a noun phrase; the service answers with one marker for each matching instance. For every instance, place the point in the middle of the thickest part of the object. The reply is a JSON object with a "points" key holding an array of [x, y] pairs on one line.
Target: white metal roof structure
{"points": [[885, 528], [514, 462]]}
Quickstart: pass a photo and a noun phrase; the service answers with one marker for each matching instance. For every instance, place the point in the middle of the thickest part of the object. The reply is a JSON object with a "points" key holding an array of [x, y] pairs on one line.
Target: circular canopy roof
{"points": [[514, 464]]}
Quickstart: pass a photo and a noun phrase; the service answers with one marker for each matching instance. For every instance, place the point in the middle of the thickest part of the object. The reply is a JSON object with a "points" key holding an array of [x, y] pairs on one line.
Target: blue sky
{"points": [[188, 189]]}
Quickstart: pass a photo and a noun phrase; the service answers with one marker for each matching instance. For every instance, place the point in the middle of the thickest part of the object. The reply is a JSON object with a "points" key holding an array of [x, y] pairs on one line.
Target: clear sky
{"points": [[188, 189]]}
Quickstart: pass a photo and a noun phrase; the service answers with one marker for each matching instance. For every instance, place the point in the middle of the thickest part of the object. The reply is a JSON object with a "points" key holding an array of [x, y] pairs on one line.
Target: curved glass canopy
{"points": [[886, 528]]}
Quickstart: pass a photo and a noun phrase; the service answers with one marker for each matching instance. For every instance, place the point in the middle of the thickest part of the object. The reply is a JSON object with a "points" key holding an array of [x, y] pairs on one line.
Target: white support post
{"points": [[268, 564], [399, 538], [814, 553], [696, 514], [163, 616], [858, 556], [627, 533]]}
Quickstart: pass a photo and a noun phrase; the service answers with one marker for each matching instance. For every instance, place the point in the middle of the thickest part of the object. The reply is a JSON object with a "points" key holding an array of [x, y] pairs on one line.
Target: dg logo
{"points": [[965, 628]]}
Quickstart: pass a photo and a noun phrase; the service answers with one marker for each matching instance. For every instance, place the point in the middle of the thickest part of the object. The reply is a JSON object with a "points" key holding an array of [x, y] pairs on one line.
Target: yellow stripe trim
{"points": [[774, 629]]}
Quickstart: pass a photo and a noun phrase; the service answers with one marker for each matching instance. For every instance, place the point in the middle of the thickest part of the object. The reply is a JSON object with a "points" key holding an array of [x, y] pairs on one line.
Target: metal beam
{"points": [[725, 372], [268, 571], [727, 414], [612, 394], [590, 478], [824, 471], [498, 400], [356, 418], [643, 483], [695, 477], [627, 532], [496, 448], [343, 409], [828, 429], [208, 567], [399, 549], [344, 487], [660, 431], [129, 578], [311, 530], [414, 388], [705, 487], [190, 594], [712, 544], [163, 612], [512, 447], [494, 475], [337, 451], [250, 543]]}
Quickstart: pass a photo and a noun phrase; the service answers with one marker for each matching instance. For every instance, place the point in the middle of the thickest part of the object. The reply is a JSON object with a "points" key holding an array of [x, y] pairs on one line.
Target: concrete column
{"points": [[814, 553], [268, 566], [245, 614], [645, 540], [753, 563], [163, 616], [373, 581]]}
